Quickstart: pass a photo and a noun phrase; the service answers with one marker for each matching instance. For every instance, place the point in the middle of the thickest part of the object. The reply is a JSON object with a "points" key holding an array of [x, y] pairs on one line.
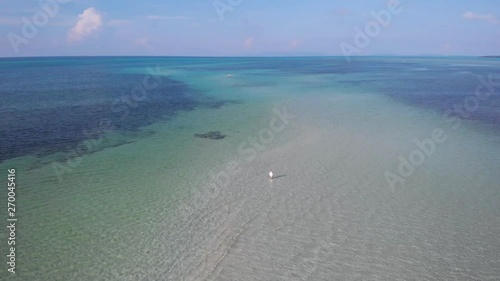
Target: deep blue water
{"points": [[46, 103]]}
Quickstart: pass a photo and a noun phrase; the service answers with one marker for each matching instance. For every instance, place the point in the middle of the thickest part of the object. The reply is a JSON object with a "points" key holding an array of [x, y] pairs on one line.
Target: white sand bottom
{"points": [[329, 214]]}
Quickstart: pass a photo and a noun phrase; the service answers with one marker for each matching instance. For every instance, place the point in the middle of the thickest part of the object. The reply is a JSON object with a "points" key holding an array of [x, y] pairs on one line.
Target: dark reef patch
{"points": [[214, 135]]}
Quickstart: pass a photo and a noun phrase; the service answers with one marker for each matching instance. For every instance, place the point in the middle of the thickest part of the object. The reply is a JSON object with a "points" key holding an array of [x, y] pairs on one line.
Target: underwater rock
{"points": [[215, 135]]}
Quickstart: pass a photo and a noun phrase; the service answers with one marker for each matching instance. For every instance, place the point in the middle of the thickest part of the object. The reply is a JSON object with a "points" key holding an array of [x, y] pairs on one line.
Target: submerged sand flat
{"points": [[330, 215]]}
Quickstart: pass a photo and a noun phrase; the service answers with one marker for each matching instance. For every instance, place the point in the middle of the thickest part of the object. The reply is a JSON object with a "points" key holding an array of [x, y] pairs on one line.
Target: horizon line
{"points": [[248, 56]]}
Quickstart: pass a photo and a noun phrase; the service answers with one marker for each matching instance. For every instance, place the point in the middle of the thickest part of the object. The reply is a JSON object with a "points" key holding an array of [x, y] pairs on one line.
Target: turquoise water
{"points": [[113, 185]]}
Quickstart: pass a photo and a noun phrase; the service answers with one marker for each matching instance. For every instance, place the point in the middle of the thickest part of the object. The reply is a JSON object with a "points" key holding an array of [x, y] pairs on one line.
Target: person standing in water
{"points": [[271, 174]]}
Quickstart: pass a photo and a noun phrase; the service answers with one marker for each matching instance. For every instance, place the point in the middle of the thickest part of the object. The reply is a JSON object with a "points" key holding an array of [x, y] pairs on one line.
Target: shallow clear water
{"points": [[148, 201]]}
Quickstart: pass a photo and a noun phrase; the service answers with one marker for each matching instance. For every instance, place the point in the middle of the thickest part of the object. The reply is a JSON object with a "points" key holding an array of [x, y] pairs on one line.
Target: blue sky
{"points": [[248, 27]]}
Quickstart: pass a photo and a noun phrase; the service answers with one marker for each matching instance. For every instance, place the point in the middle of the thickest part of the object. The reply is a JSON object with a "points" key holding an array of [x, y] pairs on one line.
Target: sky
{"points": [[248, 28]]}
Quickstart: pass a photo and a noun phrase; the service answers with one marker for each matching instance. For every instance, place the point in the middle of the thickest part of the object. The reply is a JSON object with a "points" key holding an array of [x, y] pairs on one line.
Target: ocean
{"points": [[387, 168]]}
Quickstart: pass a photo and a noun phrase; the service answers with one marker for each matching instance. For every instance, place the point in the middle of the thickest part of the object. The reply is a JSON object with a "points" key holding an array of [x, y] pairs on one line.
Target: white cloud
{"points": [[249, 42], [143, 42], [89, 21], [295, 43], [474, 16], [447, 47], [156, 17]]}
